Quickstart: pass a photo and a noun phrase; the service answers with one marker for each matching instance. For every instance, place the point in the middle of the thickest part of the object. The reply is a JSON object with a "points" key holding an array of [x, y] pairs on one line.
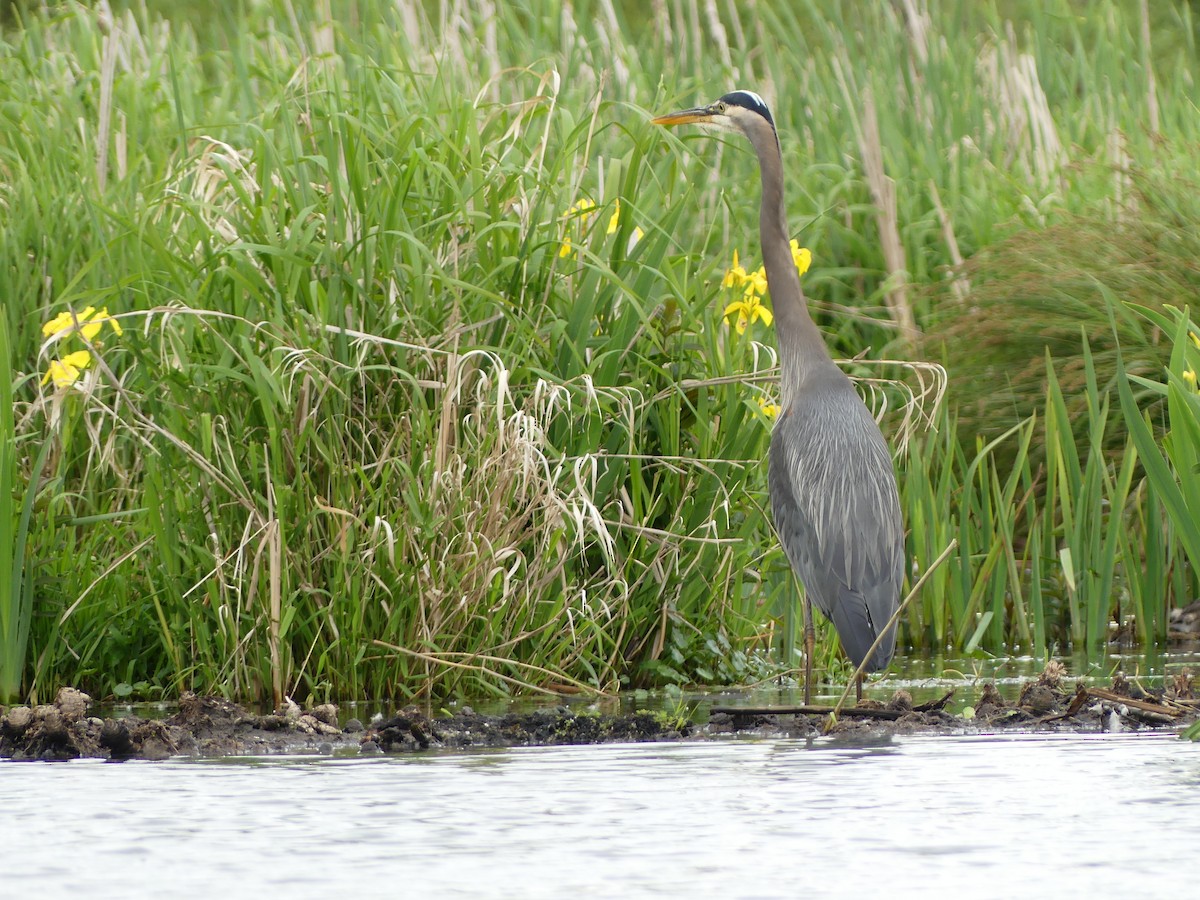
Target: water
{"points": [[1095, 815], [924, 678], [927, 679]]}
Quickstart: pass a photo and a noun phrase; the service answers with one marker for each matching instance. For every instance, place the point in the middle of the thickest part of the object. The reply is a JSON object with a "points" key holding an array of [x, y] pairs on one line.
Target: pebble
{"points": [[326, 713], [72, 704], [18, 718]]}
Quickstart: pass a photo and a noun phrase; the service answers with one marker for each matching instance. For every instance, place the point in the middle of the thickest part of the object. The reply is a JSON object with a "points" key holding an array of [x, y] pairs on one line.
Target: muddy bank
{"points": [[203, 726], [207, 726]]}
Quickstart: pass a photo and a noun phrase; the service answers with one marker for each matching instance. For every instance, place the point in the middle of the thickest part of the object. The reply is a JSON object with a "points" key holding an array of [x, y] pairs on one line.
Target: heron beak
{"points": [[685, 116]]}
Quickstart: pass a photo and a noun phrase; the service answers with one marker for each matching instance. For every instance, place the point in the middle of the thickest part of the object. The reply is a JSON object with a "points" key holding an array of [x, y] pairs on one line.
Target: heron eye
{"points": [[720, 107]]}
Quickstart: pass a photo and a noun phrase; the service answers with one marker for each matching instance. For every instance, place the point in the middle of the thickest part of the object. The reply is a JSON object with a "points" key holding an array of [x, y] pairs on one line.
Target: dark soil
{"points": [[207, 726]]}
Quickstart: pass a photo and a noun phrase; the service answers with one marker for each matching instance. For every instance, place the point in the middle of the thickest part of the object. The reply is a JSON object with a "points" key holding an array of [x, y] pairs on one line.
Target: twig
{"points": [[1143, 705], [442, 660], [935, 705], [891, 624], [860, 711]]}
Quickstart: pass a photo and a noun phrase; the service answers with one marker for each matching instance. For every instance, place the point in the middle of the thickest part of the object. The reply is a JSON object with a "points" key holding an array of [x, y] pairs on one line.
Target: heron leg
{"points": [[810, 643], [858, 687]]}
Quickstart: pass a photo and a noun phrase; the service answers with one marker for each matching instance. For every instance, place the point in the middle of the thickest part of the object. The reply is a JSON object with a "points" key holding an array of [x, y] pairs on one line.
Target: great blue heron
{"points": [[833, 490]]}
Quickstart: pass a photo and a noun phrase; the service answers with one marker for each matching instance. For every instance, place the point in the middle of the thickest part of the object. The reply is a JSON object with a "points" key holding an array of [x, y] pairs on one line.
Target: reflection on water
{"points": [[995, 816], [1008, 673], [928, 679]]}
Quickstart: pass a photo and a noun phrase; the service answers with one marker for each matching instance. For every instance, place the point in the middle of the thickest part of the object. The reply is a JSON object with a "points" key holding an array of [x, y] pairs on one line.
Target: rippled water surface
{"points": [[1100, 815]]}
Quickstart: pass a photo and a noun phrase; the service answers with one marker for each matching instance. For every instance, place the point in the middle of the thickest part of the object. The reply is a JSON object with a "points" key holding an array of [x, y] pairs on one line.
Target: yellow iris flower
{"points": [[65, 372], [584, 210], [769, 409], [801, 256], [754, 285], [735, 276], [748, 310], [90, 321], [616, 218]]}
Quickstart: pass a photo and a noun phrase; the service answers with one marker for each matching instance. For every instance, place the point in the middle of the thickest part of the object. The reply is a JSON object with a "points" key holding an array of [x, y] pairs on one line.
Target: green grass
{"points": [[369, 432]]}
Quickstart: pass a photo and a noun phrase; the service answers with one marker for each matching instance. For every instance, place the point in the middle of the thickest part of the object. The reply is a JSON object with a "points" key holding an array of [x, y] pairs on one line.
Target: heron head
{"points": [[741, 111]]}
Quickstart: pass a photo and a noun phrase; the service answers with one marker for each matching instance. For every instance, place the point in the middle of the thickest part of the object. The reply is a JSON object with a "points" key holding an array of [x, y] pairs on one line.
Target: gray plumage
{"points": [[832, 486], [833, 497]]}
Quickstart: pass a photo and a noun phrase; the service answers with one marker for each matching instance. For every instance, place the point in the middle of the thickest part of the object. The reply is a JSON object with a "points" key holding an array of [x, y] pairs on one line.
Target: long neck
{"points": [[802, 350]]}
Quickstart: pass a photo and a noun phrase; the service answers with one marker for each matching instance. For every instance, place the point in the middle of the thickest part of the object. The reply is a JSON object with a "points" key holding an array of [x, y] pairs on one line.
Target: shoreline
{"points": [[214, 727]]}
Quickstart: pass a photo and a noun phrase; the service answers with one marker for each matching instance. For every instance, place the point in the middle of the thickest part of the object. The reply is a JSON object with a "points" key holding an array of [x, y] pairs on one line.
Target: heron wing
{"points": [[837, 513]]}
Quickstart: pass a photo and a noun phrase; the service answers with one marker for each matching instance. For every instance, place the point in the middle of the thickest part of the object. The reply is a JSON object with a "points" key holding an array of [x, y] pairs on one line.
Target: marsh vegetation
{"points": [[381, 350]]}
